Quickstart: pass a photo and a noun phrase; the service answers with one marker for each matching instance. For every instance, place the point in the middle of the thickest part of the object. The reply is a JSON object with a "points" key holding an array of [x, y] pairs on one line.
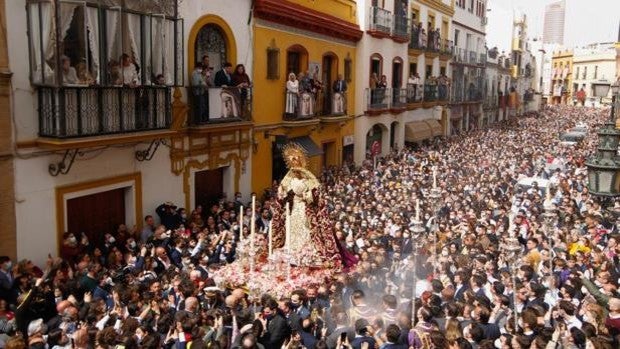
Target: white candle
{"points": [[270, 237], [253, 222], [434, 177], [288, 228], [417, 209], [241, 223]]}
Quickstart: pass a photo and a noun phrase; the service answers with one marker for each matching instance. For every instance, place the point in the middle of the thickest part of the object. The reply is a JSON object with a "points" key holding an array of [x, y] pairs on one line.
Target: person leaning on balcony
{"points": [[223, 78], [69, 76], [374, 83], [241, 80], [340, 86], [83, 75], [422, 39], [129, 70], [292, 93], [437, 39], [199, 90]]}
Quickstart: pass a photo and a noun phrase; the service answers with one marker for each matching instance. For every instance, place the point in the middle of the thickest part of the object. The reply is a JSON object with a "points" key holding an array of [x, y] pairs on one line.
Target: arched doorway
{"points": [[296, 60], [329, 75], [375, 138], [211, 42], [394, 135]]}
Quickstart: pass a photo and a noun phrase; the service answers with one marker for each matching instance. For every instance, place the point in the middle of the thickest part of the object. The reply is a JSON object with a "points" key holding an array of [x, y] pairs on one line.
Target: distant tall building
{"points": [[553, 31]]}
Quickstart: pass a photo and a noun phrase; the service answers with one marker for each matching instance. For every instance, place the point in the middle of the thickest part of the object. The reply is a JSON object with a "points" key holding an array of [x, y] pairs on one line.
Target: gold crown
{"points": [[294, 155]]}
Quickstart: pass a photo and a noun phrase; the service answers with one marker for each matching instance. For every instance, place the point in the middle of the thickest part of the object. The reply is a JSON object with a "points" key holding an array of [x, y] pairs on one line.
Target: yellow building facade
{"points": [[308, 39], [561, 77]]}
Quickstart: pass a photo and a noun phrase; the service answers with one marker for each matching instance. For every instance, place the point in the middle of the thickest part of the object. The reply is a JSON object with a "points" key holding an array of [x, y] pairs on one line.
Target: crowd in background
{"points": [[152, 288]]}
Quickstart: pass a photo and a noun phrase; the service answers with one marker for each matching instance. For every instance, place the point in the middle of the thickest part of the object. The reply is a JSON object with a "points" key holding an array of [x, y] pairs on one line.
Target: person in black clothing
{"points": [[168, 215], [276, 327], [223, 78]]}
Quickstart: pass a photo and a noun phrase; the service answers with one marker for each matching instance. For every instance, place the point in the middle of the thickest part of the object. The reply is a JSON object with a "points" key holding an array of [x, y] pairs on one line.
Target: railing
{"points": [[377, 98], [380, 20], [430, 92], [415, 93], [443, 92], [331, 103], [473, 59], [299, 106], [459, 55], [447, 47], [219, 104], [483, 59], [81, 111], [401, 27], [399, 97]]}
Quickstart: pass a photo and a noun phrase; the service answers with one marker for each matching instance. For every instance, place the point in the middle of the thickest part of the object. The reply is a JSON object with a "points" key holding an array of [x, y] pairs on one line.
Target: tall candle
{"points": [[417, 209], [241, 223], [288, 228], [270, 237], [253, 222]]}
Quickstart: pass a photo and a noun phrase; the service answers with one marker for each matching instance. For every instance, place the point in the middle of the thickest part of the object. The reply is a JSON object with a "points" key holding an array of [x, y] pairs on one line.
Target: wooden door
{"points": [[96, 214], [208, 187]]}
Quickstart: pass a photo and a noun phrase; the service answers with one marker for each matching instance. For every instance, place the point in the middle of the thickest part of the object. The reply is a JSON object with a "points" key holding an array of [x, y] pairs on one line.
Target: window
{"points": [[376, 65], [429, 71], [595, 71], [415, 16], [296, 59], [211, 42], [442, 71], [348, 68], [471, 6], [585, 73], [577, 73], [413, 68], [273, 63], [456, 37], [101, 41]]}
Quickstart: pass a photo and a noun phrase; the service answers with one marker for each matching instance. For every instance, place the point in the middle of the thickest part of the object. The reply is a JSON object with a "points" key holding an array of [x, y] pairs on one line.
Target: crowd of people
{"points": [[152, 288]]}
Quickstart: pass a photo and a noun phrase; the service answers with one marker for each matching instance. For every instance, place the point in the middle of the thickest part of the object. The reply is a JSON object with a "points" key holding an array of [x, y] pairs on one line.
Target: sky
{"points": [[586, 21]]}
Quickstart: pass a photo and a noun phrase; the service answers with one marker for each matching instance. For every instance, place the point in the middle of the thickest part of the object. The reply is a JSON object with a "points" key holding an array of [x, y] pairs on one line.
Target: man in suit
{"points": [[6, 280], [340, 86], [276, 327], [461, 286], [223, 78]]}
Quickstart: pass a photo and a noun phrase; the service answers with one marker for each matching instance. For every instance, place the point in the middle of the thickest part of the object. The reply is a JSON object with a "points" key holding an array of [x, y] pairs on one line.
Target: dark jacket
{"points": [[276, 333], [222, 79]]}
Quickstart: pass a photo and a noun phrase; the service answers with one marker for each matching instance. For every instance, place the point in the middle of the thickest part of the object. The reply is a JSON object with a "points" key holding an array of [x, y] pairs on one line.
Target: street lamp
{"points": [[604, 165]]}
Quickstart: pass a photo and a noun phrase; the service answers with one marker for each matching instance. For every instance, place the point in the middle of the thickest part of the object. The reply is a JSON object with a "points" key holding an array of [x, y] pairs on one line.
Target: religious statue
{"points": [[312, 241]]}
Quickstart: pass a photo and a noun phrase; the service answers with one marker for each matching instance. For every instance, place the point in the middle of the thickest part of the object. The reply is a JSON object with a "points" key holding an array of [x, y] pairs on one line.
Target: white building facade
{"points": [[468, 66], [593, 65], [406, 42], [103, 140]]}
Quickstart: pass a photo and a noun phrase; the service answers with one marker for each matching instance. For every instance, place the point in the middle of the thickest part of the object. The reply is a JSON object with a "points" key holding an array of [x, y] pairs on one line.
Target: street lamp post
{"points": [[604, 165]]}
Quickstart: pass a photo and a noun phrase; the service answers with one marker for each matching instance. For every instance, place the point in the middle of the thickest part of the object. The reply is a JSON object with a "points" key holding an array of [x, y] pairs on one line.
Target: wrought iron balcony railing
{"points": [[219, 104], [380, 20], [82, 111]]}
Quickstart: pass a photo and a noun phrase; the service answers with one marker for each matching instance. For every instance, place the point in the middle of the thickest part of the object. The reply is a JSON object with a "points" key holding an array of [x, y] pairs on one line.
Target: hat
{"points": [[35, 326], [361, 324]]}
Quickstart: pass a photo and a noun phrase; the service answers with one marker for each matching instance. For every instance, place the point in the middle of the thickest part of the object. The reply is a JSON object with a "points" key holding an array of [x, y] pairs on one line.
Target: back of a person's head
{"points": [[392, 333], [463, 343]]}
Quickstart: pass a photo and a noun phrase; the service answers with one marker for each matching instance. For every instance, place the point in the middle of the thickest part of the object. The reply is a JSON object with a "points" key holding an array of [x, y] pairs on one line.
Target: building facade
{"points": [[562, 76], [524, 67], [553, 27], [305, 62], [593, 65], [403, 74], [468, 64], [107, 132]]}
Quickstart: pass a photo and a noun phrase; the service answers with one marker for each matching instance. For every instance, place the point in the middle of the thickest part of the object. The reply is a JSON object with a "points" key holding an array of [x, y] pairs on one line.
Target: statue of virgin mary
{"points": [[312, 234]]}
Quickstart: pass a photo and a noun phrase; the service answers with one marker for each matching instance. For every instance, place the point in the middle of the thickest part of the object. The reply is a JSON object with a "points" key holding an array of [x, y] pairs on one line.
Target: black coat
{"points": [[221, 79]]}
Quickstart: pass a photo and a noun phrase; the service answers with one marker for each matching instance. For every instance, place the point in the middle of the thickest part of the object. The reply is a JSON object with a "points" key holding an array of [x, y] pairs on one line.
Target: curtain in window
{"points": [[92, 21], [43, 31], [112, 35], [157, 31], [147, 46], [133, 26], [67, 10], [169, 52]]}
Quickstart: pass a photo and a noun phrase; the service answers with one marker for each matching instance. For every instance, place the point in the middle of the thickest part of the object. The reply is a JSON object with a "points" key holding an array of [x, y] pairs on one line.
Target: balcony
{"points": [[380, 22], [483, 59], [377, 99], [472, 57], [399, 98], [81, 111], [401, 30], [447, 48], [463, 95], [430, 94], [415, 93], [331, 103], [219, 105]]}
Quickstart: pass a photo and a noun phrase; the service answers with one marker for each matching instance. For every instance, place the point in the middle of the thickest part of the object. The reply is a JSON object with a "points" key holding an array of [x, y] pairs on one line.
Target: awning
{"points": [[435, 127], [417, 131], [311, 148]]}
